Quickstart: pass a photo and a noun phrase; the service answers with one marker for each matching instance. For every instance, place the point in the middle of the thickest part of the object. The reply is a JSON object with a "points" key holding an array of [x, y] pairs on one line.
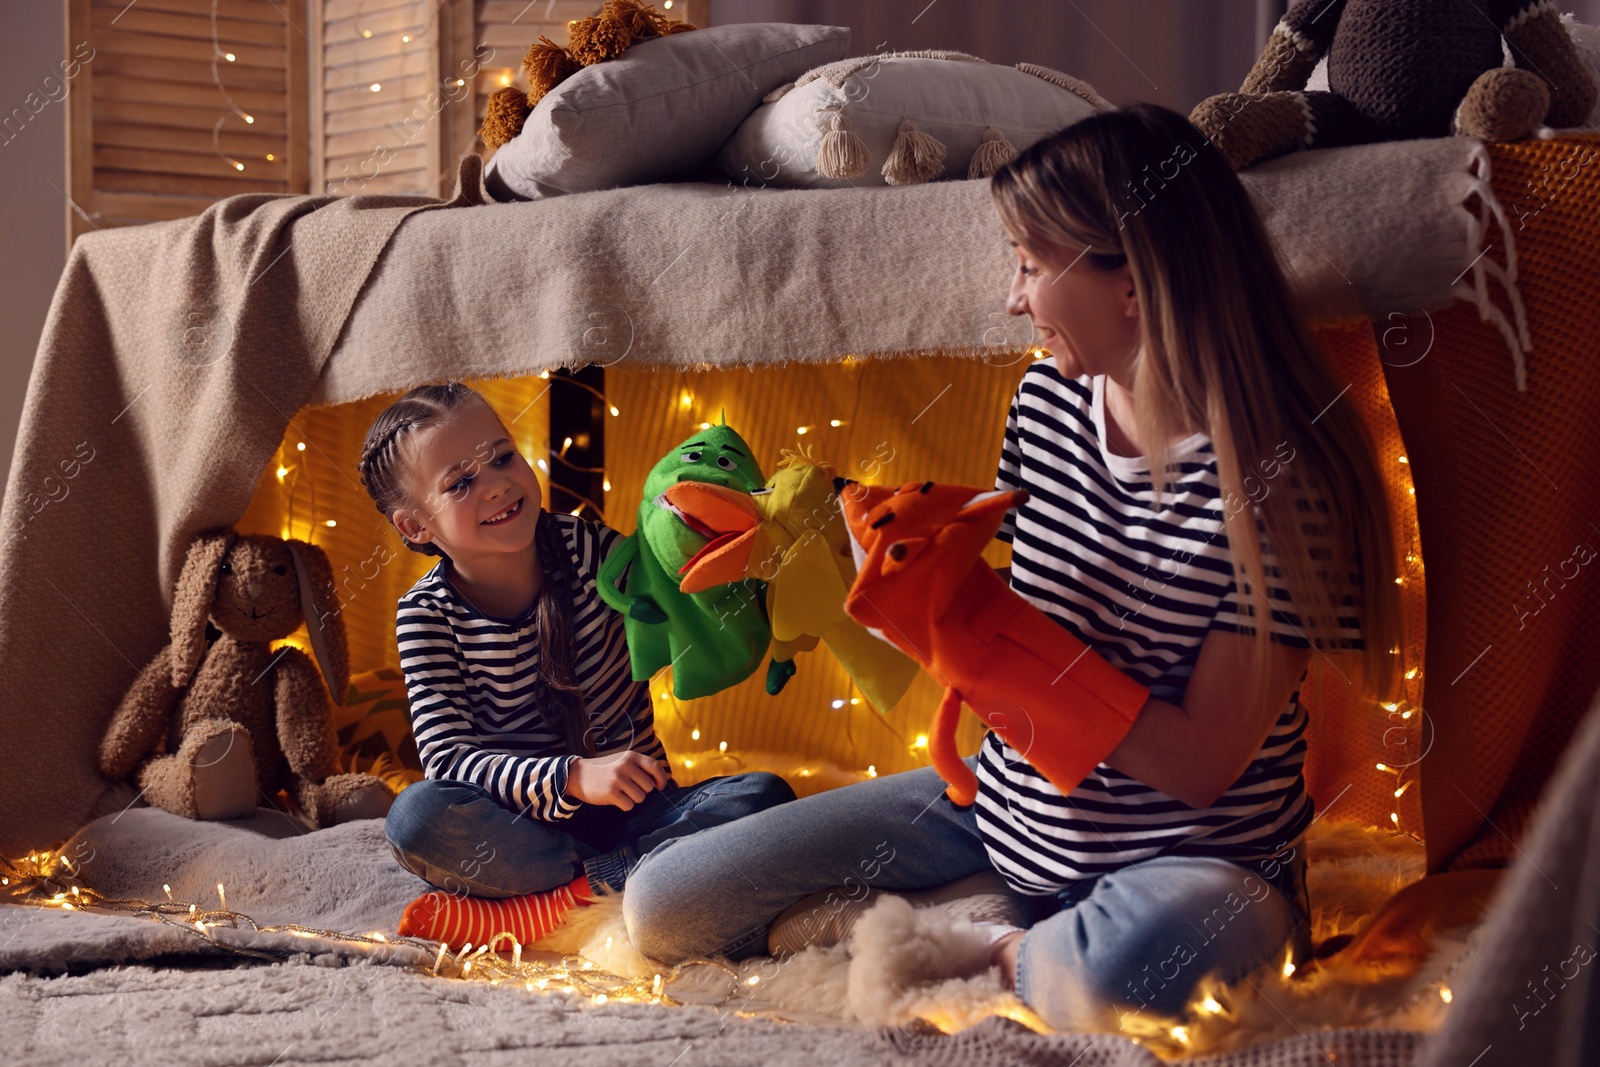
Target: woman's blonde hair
{"points": [[1223, 346]]}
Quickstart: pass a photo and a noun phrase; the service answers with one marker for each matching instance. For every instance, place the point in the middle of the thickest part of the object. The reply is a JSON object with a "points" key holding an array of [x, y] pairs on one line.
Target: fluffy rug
{"points": [[1352, 871], [344, 879]]}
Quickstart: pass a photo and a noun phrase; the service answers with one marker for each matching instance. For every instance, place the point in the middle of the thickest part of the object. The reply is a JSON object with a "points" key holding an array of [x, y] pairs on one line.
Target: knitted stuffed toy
{"points": [[923, 585], [791, 536], [1402, 69], [620, 24], [714, 638], [219, 720]]}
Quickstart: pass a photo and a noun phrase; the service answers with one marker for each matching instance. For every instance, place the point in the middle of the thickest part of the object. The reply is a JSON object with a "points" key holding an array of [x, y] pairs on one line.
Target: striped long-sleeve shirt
{"points": [[473, 683], [1142, 589]]}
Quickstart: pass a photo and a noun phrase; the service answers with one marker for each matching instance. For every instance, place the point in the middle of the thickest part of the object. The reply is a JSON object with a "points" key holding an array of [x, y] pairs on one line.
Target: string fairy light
{"points": [[33, 882]]}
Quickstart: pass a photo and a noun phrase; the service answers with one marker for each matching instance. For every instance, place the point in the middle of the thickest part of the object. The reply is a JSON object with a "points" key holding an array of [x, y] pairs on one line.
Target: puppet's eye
{"points": [[279, 569], [726, 463], [691, 457], [226, 568]]}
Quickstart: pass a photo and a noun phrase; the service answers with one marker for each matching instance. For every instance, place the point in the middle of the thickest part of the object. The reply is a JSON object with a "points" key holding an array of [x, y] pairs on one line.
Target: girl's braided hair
{"points": [[383, 465]]}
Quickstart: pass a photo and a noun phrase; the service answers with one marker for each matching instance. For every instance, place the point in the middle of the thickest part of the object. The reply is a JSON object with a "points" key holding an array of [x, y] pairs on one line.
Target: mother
{"points": [[1144, 268]]}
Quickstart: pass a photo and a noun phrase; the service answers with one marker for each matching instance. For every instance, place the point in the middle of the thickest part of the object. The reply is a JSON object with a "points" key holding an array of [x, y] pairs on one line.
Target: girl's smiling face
{"points": [[470, 489], [1088, 317]]}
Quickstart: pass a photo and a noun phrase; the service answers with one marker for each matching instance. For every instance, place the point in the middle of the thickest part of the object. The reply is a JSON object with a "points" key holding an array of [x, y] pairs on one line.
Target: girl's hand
{"points": [[620, 779]]}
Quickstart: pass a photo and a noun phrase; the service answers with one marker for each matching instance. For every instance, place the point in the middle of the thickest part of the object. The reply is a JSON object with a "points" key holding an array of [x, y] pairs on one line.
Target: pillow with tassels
{"points": [[900, 118]]}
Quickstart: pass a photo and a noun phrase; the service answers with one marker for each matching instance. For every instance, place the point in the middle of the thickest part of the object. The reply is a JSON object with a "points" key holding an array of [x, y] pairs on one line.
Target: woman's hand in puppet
{"points": [[620, 779]]}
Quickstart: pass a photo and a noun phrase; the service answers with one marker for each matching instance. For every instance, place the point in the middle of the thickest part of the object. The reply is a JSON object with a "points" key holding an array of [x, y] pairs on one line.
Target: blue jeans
{"points": [[1139, 937], [456, 836]]}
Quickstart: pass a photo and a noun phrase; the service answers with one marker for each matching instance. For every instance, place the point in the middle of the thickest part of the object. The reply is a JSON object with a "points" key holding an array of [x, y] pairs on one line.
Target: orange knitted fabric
{"points": [[1507, 491]]}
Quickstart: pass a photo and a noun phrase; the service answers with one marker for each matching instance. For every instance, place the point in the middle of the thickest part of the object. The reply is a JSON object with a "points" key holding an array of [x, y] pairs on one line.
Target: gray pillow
{"points": [[659, 112]]}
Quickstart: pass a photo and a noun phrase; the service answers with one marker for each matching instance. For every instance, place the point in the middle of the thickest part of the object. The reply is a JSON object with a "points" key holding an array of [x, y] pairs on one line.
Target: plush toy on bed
{"points": [[620, 24], [714, 638], [219, 721], [923, 585], [1402, 69], [791, 536]]}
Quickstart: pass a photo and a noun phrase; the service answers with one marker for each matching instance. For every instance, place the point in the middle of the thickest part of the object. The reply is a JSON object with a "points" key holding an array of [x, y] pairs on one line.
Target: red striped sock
{"points": [[457, 920]]}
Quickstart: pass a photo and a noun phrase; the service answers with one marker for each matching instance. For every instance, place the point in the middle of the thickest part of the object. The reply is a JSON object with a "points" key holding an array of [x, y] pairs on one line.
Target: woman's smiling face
{"points": [[1086, 316], [471, 490]]}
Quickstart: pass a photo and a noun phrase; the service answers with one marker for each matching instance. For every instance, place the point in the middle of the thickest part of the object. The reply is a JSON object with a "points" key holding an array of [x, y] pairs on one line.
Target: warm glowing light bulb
{"points": [[249, 118], [722, 746], [920, 742], [872, 771], [331, 522], [802, 429], [1394, 817], [1412, 673], [238, 166], [1211, 1005], [606, 485], [505, 79], [283, 472], [366, 33], [1445, 994], [694, 735], [300, 446], [1404, 460], [229, 56], [838, 704], [405, 38], [1382, 766], [835, 423], [376, 86], [614, 411]]}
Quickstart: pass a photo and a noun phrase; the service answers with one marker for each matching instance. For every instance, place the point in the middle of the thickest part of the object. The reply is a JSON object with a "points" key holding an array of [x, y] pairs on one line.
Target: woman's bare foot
{"points": [[1003, 954]]}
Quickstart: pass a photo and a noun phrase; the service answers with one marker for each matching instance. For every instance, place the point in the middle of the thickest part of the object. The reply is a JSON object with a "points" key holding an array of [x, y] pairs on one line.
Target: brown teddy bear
{"points": [[1398, 70], [620, 24], [218, 721]]}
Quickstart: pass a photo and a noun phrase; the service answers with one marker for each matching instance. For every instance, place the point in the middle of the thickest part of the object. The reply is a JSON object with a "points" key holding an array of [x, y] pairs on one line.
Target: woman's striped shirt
{"points": [[1142, 589], [473, 683]]}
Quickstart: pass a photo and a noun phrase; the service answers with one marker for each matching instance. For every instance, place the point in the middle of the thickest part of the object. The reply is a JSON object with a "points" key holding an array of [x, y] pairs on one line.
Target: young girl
{"points": [[545, 779], [1177, 349]]}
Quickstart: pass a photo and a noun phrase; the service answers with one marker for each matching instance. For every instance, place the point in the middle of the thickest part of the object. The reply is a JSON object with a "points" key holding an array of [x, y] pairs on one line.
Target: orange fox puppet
{"points": [[922, 584]]}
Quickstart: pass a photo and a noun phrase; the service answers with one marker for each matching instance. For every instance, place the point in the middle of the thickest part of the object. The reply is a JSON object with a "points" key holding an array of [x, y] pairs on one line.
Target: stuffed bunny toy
{"points": [[218, 721]]}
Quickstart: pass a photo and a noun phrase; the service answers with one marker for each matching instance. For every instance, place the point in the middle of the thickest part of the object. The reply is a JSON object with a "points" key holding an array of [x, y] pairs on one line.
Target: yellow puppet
{"points": [[791, 535]]}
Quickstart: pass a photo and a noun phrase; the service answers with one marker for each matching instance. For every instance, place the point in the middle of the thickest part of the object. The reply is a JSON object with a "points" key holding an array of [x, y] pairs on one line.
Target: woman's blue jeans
{"points": [[1139, 938], [456, 836]]}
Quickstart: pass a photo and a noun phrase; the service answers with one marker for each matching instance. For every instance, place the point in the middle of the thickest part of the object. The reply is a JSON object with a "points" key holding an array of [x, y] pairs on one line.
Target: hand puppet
{"points": [[220, 720], [791, 536], [922, 584], [713, 638], [1399, 70]]}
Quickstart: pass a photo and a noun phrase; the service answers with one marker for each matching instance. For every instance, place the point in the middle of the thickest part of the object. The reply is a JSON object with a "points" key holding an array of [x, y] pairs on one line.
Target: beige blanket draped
{"points": [[175, 355]]}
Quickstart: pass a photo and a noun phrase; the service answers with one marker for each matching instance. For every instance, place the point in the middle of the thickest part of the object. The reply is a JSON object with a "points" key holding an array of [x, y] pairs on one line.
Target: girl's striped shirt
{"points": [[1142, 589], [473, 683]]}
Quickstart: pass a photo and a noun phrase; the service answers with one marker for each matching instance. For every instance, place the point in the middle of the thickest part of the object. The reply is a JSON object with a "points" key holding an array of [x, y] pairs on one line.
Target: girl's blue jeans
{"points": [[1138, 938], [456, 836]]}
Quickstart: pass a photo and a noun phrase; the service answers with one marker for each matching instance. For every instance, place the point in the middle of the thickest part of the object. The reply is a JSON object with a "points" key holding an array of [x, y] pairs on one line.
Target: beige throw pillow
{"points": [[657, 113], [901, 118]]}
